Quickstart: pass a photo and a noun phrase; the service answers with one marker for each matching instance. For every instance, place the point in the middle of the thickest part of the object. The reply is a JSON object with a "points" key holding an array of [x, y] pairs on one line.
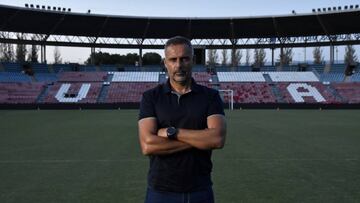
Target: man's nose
{"points": [[178, 64]]}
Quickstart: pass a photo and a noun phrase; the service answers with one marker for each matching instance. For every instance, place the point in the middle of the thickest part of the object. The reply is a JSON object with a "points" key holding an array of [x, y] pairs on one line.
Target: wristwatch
{"points": [[171, 133]]}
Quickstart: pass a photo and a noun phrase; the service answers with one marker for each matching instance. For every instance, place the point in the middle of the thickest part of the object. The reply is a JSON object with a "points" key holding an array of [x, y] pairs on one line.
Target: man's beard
{"points": [[184, 75]]}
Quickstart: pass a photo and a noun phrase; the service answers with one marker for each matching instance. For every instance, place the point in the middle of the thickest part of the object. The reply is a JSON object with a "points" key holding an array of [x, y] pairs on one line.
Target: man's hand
{"points": [[162, 132], [212, 137], [153, 144]]}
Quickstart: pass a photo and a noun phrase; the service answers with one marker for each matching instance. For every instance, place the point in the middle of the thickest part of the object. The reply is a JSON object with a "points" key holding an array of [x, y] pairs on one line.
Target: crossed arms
{"points": [[154, 141]]}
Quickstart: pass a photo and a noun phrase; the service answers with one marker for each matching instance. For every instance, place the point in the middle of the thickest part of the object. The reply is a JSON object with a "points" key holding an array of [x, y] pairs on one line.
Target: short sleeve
{"points": [[216, 105], [146, 106]]}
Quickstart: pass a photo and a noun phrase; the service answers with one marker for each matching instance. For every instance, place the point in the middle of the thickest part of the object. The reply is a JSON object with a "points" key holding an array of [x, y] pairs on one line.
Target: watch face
{"points": [[171, 131]]}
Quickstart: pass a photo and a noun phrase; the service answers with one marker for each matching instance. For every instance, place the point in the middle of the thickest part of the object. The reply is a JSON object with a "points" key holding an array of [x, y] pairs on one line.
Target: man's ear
{"points": [[162, 64]]}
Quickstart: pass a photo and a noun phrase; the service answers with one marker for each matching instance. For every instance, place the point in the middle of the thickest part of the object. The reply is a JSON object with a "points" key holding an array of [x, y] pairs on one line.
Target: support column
{"points": [[92, 56], [332, 53], [140, 56], [281, 57], [43, 54], [272, 57]]}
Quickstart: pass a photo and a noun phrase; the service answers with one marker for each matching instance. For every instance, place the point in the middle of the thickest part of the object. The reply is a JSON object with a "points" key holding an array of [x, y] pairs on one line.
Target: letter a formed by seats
{"points": [[311, 92]]}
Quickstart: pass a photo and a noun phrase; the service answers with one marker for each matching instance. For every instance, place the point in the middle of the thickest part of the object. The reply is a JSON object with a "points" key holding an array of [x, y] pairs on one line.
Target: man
{"points": [[180, 122]]}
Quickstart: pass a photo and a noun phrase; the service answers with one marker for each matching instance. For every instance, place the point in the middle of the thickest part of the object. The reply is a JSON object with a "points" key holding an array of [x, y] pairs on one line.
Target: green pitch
{"points": [[94, 156]]}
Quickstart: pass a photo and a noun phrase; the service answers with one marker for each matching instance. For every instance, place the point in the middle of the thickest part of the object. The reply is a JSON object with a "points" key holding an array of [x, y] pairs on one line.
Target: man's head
{"points": [[179, 59]]}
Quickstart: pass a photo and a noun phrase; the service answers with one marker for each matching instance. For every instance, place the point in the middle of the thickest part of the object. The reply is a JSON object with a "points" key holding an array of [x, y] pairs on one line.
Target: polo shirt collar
{"points": [[194, 86]]}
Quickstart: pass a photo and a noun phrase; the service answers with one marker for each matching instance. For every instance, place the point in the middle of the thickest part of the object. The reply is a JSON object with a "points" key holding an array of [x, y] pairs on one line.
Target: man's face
{"points": [[178, 62]]}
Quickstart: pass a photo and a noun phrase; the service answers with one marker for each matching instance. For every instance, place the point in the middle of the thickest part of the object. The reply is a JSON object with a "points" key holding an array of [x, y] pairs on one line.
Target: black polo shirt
{"points": [[188, 170]]}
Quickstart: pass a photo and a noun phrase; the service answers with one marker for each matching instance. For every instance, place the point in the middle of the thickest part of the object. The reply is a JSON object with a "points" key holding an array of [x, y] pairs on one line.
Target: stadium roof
{"points": [[38, 21]]}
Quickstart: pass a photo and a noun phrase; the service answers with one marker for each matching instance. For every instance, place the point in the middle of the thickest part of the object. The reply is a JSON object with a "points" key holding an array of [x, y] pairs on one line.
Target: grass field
{"points": [[94, 156]]}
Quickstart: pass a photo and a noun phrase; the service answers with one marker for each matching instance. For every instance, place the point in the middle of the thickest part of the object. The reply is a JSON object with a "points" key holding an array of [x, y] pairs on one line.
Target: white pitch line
{"points": [[287, 159], [142, 160], [71, 161]]}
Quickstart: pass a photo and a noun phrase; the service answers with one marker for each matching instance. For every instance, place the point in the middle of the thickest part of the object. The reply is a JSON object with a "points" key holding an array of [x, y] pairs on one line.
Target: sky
{"points": [[183, 8]]}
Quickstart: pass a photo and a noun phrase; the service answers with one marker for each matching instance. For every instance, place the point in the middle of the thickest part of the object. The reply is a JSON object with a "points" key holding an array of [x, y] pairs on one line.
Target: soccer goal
{"points": [[228, 98]]}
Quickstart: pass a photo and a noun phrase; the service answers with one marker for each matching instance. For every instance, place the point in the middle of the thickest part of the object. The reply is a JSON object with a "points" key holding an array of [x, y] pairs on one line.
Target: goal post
{"points": [[228, 97]]}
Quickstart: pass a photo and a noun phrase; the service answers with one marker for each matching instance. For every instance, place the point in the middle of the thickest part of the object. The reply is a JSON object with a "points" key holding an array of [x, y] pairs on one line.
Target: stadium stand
{"points": [[73, 93], [108, 68], [201, 76], [46, 77], [240, 77], [310, 92], [268, 68], [289, 68], [337, 68], [135, 77], [318, 67], [82, 76], [14, 77], [20, 93], [349, 91], [12, 67], [61, 68], [87, 68], [40, 68], [355, 77], [331, 77], [249, 92], [128, 92], [89, 85], [293, 76]]}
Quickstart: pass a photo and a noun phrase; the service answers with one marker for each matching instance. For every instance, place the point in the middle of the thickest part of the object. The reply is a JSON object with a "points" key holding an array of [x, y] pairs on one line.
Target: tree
{"points": [[212, 57], [224, 55], [20, 50], [247, 57], [259, 57], [350, 55], [57, 56], [33, 55], [151, 58], [317, 53], [236, 56], [6, 50], [7, 53], [111, 59], [286, 57]]}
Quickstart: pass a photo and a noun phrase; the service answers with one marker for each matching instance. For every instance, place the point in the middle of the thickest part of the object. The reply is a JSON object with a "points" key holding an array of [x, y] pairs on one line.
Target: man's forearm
{"points": [[155, 145], [202, 139]]}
